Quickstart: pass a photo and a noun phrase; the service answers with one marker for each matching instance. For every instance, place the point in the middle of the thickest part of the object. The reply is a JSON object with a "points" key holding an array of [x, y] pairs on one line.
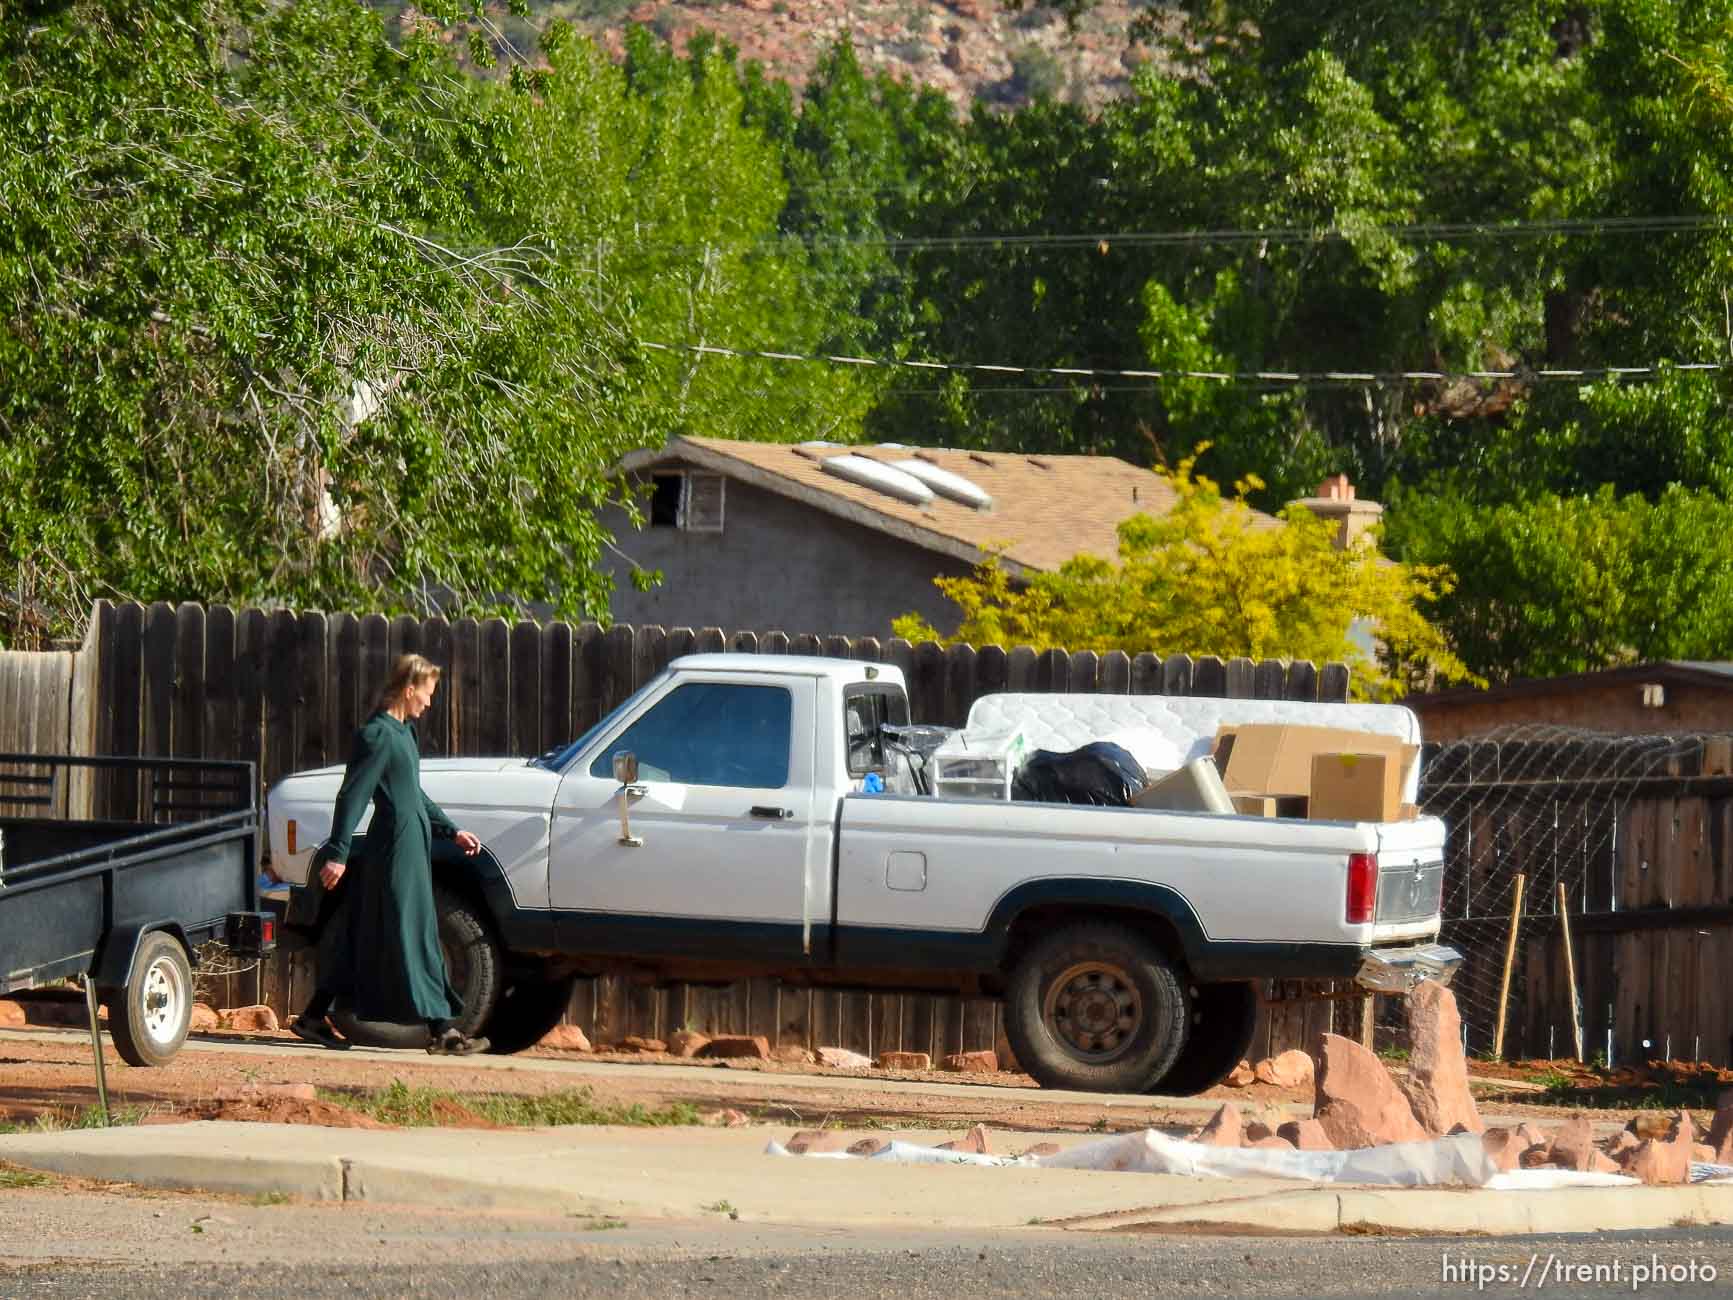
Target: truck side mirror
{"points": [[626, 767]]}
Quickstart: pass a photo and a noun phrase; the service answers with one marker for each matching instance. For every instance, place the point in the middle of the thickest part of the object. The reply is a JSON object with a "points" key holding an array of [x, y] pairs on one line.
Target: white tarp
{"points": [[1460, 1160]]}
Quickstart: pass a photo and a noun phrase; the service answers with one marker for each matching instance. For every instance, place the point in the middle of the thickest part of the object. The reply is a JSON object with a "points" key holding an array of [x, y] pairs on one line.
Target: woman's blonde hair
{"points": [[408, 671]]}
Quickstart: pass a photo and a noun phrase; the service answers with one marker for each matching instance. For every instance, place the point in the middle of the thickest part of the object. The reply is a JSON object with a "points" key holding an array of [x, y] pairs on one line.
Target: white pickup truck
{"points": [[712, 827]]}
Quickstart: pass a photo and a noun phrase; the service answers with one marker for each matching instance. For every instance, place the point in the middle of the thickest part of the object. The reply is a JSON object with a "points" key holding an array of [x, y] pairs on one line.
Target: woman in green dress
{"points": [[381, 948]]}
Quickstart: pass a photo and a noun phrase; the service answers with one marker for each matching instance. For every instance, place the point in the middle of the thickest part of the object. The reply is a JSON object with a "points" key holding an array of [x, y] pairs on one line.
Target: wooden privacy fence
{"points": [[287, 690], [1639, 832]]}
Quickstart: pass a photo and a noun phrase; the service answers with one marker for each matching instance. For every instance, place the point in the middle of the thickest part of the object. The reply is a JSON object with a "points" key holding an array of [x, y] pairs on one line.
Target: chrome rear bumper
{"points": [[1396, 970]]}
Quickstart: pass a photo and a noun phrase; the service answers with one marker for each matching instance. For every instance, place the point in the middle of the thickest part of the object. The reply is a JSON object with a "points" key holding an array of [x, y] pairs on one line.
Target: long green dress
{"points": [[382, 949]]}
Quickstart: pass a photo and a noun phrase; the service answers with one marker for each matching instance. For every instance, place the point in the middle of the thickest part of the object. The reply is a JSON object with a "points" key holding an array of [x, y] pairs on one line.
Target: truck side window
{"points": [[865, 709], [711, 733]]}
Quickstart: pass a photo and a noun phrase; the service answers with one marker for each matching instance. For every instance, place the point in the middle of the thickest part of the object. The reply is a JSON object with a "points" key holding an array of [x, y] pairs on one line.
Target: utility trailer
{"points": [[125, 902]]}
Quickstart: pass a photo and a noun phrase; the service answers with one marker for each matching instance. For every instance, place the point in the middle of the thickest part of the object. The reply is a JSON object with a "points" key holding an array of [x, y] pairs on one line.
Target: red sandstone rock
{"points": [[254, 1019], [812, 1140], [1305, 1135], [1663, 1161], [686, 1042], [841, 1058], [1600, 1163], [974, 1142], [566, 1038], [1437, 1083], [792, 1054], [868, 1147], [1573, 1145], [735, 1047], [1721, 1130], [203, 1018], [636, 1043], [12, 1015], [1356, 1101], [904, 1061], [258, 1092], [1040, 1150], [1006, 1057], [1271, 1143], [1504, 1147], [1241, 1076], [1650, 1125], [1224, 1128], [972, 1063], [1290, 1069]]}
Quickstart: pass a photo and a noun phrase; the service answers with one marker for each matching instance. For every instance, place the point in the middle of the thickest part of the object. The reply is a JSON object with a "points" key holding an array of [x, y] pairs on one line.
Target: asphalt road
{"points": [[134, 1246]]}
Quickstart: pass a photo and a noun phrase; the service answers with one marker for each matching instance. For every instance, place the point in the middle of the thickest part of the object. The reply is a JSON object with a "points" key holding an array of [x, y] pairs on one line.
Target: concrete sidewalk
{"points": [[693, 1173]]}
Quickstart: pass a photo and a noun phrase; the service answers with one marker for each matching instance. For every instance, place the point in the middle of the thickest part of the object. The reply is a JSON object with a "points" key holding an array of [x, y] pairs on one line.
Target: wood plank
{"points": [[926, 684], [156, 733], [525, 687], [773, 643], [187, 737], [1333, 683], [434, 727], [992, 671], [463, 684], [1178, 675], [711, 641], [1020, 670], [251, 641], [1269, 680], [794, 1007], [495, 719], [764, 1009], [744, 643], [1146, 674], [649, 654], [557, 662], [959, 684], [1053, 672], [978, 1024], [314, 745], [1241, 678], [885, 1025], [1209, 676], [375, 661], [343, 673], [1115, 676], [1302, 681], [1083, 674], [619, 651], [839, 647], [282, 692], [869, 650]]}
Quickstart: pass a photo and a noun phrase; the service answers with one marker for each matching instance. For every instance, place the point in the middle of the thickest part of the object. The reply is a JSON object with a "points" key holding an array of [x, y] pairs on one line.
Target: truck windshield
{"points": [[560, 755]]}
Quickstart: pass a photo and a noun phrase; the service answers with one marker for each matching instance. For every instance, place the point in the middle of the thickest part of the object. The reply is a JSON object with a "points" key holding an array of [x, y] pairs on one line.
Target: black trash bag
{"points": [[1099, 773]]}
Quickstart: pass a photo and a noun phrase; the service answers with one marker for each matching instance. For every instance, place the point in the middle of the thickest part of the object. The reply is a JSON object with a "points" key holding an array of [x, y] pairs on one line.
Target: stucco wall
{"points": [[1615, 706], [778, 565]]}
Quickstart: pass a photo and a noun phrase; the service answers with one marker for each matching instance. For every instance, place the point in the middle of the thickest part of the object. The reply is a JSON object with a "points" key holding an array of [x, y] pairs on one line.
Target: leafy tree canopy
{"points": [[1214, 577]]}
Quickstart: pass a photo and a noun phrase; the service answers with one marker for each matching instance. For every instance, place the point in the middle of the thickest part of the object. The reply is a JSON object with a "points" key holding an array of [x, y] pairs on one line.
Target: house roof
{"points": [[1045, 509], [1715, 674]]}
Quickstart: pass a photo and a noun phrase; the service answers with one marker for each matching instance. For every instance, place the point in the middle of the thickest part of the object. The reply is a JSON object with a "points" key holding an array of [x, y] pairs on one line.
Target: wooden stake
{"points": [[1564, 925], [1509, 960]]}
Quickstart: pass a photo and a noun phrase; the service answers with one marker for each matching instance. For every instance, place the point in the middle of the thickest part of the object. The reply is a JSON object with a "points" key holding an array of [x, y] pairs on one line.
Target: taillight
{"points": [[1362, 887], [289, 833]]}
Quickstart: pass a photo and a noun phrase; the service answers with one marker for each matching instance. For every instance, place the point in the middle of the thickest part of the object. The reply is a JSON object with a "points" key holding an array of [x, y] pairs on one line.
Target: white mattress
{"points": [[1165, 732]]}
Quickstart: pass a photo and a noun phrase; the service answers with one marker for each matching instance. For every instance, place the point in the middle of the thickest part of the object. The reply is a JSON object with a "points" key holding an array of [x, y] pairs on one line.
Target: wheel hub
{"points": [[1094, 1011], [161, 1001]]}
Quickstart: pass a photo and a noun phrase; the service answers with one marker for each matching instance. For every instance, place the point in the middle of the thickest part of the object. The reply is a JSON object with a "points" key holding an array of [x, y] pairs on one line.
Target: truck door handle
{"points": [[772, 814]]}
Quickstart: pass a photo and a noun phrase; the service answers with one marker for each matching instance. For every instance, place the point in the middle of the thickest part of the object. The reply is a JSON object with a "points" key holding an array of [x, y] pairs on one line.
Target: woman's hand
{"points": [[330, 874], [468, 843]]}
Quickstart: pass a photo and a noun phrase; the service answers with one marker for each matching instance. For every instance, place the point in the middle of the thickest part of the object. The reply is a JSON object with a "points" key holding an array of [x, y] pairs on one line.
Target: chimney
{"points": [[1335, 503]]}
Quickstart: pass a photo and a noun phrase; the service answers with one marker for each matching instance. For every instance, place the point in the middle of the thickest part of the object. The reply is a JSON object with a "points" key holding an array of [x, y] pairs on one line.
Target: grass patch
{"points": [[410, 1107], [59, 1121], [601, 1224], [11, 1178], [271, 1198]]}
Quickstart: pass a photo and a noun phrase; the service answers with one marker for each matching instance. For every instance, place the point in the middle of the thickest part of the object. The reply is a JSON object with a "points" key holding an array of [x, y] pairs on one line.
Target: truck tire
{"points": [[473, 963], [526, 1011], [149, 1017], [1095, 1006], [1223, 1019]]}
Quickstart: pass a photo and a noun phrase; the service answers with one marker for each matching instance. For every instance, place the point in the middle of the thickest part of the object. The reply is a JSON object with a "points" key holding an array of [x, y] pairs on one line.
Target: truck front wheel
{"points": [[1095, 1006], [149, 1017], [473, 964], [526, 1011]]}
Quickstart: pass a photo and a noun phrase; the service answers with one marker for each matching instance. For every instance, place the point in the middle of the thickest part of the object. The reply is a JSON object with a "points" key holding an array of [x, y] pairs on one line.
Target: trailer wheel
{"points": [[1223, 1019], [526, 1011], [149, 1017], [473, 964], [1095, 1006]]}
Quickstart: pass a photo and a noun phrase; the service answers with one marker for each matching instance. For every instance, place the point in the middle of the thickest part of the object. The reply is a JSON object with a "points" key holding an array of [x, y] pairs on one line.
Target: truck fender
{"points": [[1099, 896], [114, 962]]}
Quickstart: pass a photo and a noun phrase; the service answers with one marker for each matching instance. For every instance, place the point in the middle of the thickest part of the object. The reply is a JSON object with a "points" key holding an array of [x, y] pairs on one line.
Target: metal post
{"points": [[96, 1049]]}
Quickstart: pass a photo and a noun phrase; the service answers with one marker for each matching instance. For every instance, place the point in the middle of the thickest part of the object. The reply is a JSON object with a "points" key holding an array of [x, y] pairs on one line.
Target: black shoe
{"points": [[452, 1043], [318, 1031]]}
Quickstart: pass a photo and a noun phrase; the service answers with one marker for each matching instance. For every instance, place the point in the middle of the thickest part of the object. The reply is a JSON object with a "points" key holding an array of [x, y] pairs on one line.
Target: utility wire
{"points": [[1266, 377]]}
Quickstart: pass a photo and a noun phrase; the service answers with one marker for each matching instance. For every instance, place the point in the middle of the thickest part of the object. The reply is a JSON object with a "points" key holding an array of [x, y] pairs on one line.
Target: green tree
{"points": [[1212, 577]]}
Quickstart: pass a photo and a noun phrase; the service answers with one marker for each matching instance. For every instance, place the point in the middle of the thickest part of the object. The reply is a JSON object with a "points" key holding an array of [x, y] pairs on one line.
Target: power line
{"points": [[1264, 377]]}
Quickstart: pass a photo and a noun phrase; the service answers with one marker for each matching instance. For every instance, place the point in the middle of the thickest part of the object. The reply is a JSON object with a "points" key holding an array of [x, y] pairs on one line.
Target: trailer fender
{"points": [[114, 963]]}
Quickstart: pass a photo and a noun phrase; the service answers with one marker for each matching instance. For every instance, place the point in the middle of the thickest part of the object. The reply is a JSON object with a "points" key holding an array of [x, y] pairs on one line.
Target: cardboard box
{"points": [[1267, 758], [1271, 805], [1359, 787], [1196, 787]]}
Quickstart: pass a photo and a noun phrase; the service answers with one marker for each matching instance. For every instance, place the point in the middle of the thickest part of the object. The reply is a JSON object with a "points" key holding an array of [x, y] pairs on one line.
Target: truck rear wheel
{"points": [[149, 1017], [1095, 1006], [473, 964], [1223, 1018]]}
